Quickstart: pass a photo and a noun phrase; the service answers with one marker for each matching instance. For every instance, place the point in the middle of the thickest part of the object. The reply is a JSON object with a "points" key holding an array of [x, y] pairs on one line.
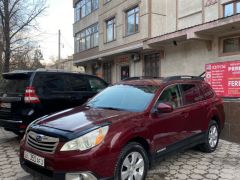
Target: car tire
{"points": [[133, 161], [211, 138]]}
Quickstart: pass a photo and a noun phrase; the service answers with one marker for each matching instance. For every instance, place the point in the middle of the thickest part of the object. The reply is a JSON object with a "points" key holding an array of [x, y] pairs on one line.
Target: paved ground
{"points": [[224, 164]]}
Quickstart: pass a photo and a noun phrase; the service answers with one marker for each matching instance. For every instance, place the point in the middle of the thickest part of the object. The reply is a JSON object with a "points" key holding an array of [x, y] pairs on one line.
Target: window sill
{"points": [[131, 34], [108, 42], [221, 54]]}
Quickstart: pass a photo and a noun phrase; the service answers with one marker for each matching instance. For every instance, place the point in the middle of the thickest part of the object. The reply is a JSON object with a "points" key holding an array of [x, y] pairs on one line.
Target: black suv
{"points": [[27, 95]]}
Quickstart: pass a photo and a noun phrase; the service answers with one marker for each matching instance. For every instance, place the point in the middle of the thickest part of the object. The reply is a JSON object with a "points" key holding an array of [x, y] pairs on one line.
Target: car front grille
{"points": [[41, 142]]}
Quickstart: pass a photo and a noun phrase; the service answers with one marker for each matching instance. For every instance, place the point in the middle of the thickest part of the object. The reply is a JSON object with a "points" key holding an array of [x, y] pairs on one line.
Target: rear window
{"points": [[207, 91], [191, 94], [14, 84], [48, 83]]}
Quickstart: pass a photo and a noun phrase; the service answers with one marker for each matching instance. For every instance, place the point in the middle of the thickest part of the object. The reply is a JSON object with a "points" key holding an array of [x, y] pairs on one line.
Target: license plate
{"points": [[34, 158], [6, 105]]}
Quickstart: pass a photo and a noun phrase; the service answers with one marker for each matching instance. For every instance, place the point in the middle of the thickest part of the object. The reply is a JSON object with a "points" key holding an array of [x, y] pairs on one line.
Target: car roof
{"points": [[158, 81]]}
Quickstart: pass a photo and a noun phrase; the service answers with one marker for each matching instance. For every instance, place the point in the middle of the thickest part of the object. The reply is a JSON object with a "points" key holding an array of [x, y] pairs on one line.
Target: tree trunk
{"points": [[7, 40]]}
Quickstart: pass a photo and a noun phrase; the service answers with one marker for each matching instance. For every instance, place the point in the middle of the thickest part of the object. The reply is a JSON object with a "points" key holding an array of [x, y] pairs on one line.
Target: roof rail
{"points": [[140, 78], [172, 78], [51, 70]]}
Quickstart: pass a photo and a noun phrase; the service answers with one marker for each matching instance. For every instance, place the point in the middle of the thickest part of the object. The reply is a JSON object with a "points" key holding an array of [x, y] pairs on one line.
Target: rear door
{"points": [[194, 108], [50, 89], [12, 95]]}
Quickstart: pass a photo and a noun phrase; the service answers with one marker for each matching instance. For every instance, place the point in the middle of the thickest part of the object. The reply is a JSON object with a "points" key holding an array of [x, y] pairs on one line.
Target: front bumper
{"points": [[11, 125], [98, 162], [50, 175]]}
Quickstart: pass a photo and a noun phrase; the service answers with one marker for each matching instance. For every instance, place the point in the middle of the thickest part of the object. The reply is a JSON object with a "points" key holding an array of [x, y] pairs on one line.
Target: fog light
{"points": [[74, 177], [80, 176]]}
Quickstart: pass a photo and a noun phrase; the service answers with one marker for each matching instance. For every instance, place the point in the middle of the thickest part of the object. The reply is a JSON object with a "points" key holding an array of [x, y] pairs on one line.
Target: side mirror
{"points": [[165, 108]]}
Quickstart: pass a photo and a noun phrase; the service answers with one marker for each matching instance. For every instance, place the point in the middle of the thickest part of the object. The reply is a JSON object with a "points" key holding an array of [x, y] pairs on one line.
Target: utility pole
{"points": [[59, 48]]}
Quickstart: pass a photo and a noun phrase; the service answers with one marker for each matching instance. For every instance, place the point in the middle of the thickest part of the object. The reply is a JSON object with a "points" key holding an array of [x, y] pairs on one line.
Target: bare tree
{"points": [[18, 18], [27, 58]]}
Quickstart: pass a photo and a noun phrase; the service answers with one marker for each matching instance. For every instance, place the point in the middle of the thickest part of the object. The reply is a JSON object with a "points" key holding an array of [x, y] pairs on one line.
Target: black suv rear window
{"points": [[14, 83]]}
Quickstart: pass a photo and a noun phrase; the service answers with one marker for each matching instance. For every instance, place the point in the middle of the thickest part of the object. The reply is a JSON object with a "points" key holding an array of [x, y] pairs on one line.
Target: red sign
{"points": [[224, 77]]}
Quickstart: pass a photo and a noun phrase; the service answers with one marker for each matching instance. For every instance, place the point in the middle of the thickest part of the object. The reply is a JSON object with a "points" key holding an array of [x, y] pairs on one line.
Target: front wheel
{"points": [[211, 138], [133, 163]]}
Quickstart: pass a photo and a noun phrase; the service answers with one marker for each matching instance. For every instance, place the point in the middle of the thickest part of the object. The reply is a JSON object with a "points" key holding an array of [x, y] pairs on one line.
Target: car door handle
{"points": [[185, 114]]}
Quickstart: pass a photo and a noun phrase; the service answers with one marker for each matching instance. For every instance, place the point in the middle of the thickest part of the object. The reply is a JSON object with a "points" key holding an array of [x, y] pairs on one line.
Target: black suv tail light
{"points": [[31, 96]]}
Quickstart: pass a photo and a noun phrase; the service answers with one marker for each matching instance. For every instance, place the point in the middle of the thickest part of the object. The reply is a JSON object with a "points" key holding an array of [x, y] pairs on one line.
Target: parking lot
{"points": [[224, 164]]}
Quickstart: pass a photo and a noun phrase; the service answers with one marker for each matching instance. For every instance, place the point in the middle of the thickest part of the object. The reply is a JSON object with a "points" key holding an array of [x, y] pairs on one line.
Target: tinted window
{"points": [[190, 94], [171, 95], [75, 83], [96, 84], [14, 83], [124, 97], [206, 90], [45, 83]]}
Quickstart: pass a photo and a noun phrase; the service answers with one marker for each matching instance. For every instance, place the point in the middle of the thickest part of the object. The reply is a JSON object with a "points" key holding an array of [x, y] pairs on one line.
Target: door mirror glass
{"points": [[164, 108]]}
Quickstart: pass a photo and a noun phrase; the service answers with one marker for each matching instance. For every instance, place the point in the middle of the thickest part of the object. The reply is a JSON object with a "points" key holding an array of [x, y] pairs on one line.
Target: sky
{"points": [[59, 15]]}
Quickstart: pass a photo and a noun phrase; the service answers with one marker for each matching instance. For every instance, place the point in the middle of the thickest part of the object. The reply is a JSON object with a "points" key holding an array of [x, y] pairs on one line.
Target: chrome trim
{"points": [[47, 144], [10, 121]]}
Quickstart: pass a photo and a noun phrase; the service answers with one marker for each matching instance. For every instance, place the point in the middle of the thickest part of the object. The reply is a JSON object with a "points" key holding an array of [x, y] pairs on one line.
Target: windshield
{"points": [[124, 97]]}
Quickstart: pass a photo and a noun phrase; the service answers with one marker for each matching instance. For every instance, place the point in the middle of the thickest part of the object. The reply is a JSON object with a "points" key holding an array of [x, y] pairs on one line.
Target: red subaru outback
{"points": [[119, 133]]}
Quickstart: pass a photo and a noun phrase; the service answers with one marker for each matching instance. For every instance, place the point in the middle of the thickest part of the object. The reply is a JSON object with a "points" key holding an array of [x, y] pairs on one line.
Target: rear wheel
{"points": [[211, 138], [133, 163]]}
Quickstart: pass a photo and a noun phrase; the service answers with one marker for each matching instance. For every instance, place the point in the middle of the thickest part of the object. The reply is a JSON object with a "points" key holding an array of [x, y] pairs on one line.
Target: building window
{"points": [[231, 45], [152, 65], [107, 72], [111, 29], [132, 20], [231, 8], [87, 39], [84, 7]]}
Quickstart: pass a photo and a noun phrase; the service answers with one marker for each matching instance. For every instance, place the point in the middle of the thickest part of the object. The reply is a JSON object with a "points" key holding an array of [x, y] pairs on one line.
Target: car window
{"points": [[206, 90], [45, 83], [190, 93], [14, 83], [170, 95], [75, 83], [96, 84]]}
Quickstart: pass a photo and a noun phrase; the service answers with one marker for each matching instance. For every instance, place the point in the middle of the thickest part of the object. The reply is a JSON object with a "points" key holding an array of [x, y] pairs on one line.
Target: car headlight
{"points": [[86, 141]]}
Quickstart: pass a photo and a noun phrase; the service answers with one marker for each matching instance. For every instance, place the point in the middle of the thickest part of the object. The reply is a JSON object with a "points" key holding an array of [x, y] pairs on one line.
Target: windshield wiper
{"points": [[112, 108]]}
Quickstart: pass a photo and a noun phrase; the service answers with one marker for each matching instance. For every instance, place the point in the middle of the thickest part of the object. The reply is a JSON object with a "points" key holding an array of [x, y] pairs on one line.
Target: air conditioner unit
{"points": [[135, 57]]}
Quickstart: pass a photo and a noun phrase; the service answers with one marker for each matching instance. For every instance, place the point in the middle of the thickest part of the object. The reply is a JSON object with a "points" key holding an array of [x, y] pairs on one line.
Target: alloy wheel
{"points": [[213, 136], [133, 167]]}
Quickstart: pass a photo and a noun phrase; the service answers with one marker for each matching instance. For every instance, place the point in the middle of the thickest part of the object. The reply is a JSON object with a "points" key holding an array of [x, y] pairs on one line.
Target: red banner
{"points": [[224, 77]]}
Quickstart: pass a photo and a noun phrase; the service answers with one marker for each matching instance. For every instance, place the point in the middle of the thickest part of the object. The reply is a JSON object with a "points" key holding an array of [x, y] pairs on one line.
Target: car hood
{"points": [[79, 119]]}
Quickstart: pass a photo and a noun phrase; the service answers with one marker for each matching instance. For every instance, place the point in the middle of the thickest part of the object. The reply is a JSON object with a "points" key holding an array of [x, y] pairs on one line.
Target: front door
{"points": [[124, 72], [168, 128]]}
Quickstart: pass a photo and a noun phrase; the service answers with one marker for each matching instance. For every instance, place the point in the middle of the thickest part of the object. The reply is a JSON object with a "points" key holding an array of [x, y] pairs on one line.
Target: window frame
{"points": [[234, 8], [135, 15], [114, 30], [153, 109], [221, 45], [81, 5], [83, 35]]}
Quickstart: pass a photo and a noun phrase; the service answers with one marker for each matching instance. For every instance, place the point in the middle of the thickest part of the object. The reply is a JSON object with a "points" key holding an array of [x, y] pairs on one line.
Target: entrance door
{"points": [[124, 72]]}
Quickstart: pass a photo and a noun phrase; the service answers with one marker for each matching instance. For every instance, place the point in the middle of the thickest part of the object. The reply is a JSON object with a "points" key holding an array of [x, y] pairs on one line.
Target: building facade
{"points": [[116, 39]]}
